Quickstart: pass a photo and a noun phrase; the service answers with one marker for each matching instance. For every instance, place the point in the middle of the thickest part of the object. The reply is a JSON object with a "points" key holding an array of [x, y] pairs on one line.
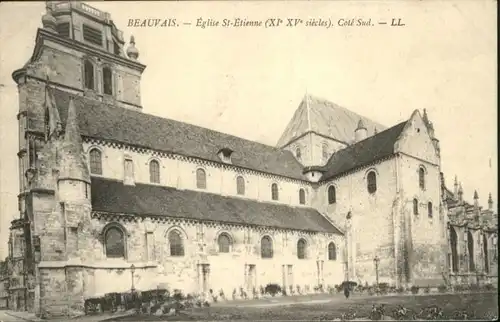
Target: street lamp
{"points": [[347, 236], [132, 270], [376, 260]]}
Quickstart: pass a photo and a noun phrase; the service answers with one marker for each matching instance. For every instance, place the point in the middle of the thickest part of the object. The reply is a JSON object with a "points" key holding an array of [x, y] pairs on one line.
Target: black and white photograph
{"points": [[248, 160]]}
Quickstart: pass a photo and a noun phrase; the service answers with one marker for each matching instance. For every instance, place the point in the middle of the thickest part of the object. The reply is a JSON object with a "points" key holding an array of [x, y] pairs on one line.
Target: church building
{"points": [[113, 198]]}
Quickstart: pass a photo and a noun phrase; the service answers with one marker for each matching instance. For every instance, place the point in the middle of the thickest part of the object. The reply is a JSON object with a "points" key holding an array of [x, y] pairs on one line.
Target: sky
{"points": [[249, 81]]}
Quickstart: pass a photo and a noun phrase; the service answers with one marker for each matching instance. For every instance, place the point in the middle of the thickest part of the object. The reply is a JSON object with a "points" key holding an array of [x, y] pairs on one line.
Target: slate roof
{"points": [[374, 148], [116, 124], [325, 118], [99, 120], [144, 199]]}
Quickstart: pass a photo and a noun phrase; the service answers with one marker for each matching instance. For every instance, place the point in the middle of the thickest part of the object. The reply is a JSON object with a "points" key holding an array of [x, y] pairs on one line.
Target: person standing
{"points": [[346, 290]]}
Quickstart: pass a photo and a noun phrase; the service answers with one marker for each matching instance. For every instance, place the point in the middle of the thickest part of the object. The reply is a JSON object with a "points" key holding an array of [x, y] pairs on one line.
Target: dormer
{"points": [[225, 154], [313, 174]]}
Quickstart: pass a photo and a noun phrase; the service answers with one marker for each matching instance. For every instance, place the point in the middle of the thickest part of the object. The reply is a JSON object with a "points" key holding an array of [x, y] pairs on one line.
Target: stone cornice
{"points": [[105, 264], [120, 217], [419, 159]]}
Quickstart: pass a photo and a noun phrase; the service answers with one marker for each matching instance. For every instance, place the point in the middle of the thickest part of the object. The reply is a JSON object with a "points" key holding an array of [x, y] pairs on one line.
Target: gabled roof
{"points": [[99, 120], [143, 199], [362, 153], [326, 118]]}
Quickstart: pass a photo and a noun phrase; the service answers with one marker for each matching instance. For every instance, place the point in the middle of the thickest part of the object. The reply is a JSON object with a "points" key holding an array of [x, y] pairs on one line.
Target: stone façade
{"points": [[64, 250]]}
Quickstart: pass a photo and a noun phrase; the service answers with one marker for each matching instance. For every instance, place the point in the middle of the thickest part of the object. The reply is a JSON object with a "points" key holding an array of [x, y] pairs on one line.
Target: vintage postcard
{"points": [[248, 160]]}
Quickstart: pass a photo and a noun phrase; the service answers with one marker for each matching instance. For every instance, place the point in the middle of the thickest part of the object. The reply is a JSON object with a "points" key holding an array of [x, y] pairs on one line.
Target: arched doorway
{"points": [[485, 251], [454, 252], [470, 247]]}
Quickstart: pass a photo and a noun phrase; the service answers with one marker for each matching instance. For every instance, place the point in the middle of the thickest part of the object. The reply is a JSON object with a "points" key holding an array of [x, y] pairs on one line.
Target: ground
{"points": [[327, 307]]}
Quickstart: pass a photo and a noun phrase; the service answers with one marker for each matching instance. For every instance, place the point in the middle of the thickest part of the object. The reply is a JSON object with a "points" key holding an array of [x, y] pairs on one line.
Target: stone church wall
{"points": [[226, 270], [427, 232], [181, 174], [372, 221]]}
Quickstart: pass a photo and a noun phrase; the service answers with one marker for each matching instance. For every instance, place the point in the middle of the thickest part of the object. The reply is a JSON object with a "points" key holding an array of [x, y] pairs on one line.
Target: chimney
{"points": [[361, 132]]}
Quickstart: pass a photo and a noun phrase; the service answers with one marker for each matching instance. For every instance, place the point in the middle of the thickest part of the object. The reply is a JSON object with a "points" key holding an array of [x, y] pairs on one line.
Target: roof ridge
{"points": [[367, 146], [351, 146]]}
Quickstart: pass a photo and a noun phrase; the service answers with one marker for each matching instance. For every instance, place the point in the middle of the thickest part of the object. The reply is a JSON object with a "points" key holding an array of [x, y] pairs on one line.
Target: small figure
{"points": [[346, 290]]}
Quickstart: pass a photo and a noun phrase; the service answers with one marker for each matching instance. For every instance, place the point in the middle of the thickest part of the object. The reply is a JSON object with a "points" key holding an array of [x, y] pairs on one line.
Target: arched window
{"points": [[201, 179], [301, 248], [302, 196], [421, 178], [325, 151], [372, 182], [470, 248], [154, 171], [224, 242], [175, 243], [332, 252], [95, 161], [454, 251], [107, 80], [429, 209], [266, 247], [298, 154], [114, 241], [274, 191], [88, 74], [415, 206], [486, 257], [240, 185], [332, 195]]}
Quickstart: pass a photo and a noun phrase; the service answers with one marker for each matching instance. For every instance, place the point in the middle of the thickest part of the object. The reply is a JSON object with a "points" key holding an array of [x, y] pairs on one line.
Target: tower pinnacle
{"points": [[132, 52], [73, 165], [48, 20]]}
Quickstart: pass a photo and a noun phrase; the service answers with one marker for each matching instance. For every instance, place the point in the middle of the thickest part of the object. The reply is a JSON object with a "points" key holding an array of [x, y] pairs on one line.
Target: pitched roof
{"points": [[326, 118], [99, 120], [144, 199], [362, 153]]}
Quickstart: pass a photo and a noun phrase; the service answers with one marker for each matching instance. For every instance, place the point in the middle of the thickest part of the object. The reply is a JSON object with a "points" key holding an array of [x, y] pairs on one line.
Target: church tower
{"points": [[78, 52]]}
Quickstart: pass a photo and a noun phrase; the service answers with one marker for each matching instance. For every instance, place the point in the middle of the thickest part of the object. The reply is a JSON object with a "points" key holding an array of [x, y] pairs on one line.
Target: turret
{"points": [[460, 193], [490, 202], [74, 177], [428, 123], [361, 132], [455, 187], [430, 129], [476, 200]]}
